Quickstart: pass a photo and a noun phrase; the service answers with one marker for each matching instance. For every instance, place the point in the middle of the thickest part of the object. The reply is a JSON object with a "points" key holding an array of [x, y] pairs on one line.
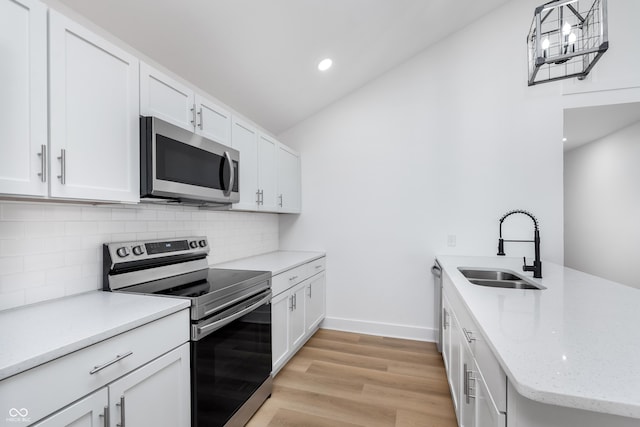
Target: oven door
{"points": [[230, 360], [179, 164]]}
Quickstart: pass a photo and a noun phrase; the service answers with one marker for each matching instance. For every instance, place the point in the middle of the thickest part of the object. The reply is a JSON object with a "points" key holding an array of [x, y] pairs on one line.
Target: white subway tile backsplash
{"points": [[80, 228], [10, 265], [44, 229], [96, 214], [43, 293], [12, 229], [44, 261], [123, 214], [21, 281], [135, 226], [23, 212], [50, 250], [62, 212], [12, 299]]}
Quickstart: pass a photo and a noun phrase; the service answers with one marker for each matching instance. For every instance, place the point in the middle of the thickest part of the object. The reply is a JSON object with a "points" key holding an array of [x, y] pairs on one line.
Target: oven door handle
{"points": [[202, 331]]}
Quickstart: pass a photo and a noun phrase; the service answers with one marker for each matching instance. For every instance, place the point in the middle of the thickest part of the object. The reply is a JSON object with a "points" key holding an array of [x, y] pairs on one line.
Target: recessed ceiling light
{"points": [[325, 64]]}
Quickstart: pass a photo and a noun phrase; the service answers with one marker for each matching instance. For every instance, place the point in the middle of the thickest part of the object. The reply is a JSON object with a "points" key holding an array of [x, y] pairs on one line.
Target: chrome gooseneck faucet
{"points": [[537, 264]]}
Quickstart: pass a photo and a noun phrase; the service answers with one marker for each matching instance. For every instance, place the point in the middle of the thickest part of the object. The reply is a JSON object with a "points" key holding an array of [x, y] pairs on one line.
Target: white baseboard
{"points": [[380, 329]]}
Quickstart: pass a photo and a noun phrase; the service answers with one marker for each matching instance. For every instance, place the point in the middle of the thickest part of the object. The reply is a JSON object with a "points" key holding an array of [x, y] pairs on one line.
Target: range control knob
{"points": [[202, 243], [123, 252], [137, 250], [193, 244]]}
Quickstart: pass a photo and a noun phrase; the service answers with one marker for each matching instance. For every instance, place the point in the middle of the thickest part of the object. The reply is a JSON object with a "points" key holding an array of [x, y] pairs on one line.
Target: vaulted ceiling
{"points": [[260, 56]]}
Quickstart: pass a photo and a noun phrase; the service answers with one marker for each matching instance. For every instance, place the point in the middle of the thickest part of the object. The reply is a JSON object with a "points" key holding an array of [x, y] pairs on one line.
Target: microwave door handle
{"points": [[231, 175]]}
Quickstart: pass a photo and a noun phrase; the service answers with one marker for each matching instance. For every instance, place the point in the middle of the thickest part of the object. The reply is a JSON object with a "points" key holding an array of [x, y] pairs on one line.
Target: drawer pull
{"points": [[318, 266], [468, 335], [118, 358], [293, 278]]}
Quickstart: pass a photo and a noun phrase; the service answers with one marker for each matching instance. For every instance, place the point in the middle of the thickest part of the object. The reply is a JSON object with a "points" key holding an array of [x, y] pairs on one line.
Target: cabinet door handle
{"points": [[445, 318], [193, 115], [291, 303], [309, 291], [468, 376], [257, 197], [105, 416], [262, 197], [280, 203], [118, 358], [121, 405], [468, 335], [43, 163], [63, 166], [465, 381], [201, 125], [295, 301]]}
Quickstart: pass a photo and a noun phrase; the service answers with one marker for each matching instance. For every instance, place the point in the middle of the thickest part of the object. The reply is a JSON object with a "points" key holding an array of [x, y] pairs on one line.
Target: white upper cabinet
{"points": [[165, 98], [289, 199], [267, 173], [171, 101], [212, 121], [244, 138], [23, 103], [94, 109]]}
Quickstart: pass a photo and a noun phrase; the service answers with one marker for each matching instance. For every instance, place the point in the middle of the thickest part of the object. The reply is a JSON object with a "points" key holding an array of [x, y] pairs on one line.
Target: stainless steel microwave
{"points": [[177, 165]]}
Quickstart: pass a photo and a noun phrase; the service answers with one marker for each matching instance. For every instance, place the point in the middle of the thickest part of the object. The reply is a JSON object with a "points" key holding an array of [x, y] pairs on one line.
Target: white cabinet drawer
{"points": [[316, 266], [289, 278], [49, 387]]}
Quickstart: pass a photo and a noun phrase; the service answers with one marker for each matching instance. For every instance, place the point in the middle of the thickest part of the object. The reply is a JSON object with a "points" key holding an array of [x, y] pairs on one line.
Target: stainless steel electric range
{"points": [[230, 321]]}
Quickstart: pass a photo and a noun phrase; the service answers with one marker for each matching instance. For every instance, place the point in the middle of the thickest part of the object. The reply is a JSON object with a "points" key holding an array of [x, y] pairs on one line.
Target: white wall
{"points": [[442, 145], [51, 250], [602, 207]]}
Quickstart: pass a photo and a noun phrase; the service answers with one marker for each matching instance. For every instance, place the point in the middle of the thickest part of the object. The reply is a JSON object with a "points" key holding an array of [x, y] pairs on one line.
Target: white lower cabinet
{"points": [[315, 301], [156, 394], [486, 411], [280, 329], [87, 412], [297, 309], [477, 383], [141, 376]]}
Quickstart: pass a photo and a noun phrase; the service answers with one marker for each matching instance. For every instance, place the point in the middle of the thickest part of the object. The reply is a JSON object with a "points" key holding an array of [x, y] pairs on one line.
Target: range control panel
{"points": [[137, 251]]}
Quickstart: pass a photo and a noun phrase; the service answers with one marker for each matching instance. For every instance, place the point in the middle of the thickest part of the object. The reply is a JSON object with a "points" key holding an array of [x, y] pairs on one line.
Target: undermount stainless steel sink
{"points": [[498, 279]]}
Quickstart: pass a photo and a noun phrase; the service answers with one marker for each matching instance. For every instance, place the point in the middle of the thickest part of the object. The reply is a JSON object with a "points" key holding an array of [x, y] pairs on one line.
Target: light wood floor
{"points": [[339, 379]]}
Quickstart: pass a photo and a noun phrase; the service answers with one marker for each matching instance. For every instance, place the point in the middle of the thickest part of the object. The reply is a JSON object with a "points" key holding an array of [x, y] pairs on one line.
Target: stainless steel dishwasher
{"points": [[436, 270]]}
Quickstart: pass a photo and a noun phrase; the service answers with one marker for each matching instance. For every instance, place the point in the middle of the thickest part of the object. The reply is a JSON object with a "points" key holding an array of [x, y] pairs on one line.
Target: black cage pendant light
{"points": [[566, 39]]}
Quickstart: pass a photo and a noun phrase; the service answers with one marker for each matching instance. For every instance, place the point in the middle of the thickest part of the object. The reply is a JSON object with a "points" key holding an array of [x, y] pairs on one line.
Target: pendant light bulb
{"points": [[572, 38], [545, 44], [566, 28]]}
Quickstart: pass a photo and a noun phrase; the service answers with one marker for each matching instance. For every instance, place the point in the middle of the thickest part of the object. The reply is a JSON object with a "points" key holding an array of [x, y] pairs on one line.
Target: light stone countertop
{"points": [[275, 262], [574, 344], [38, 333]]}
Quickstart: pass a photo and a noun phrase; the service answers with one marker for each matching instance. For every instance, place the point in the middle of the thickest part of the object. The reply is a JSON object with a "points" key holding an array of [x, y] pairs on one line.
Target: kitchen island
{"points": [[569, 351]]}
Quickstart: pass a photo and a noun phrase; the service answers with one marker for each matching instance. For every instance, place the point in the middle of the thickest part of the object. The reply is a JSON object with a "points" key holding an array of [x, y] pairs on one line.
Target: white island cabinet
{"points": [[127, 364], [298, 305], [563, 355]]}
